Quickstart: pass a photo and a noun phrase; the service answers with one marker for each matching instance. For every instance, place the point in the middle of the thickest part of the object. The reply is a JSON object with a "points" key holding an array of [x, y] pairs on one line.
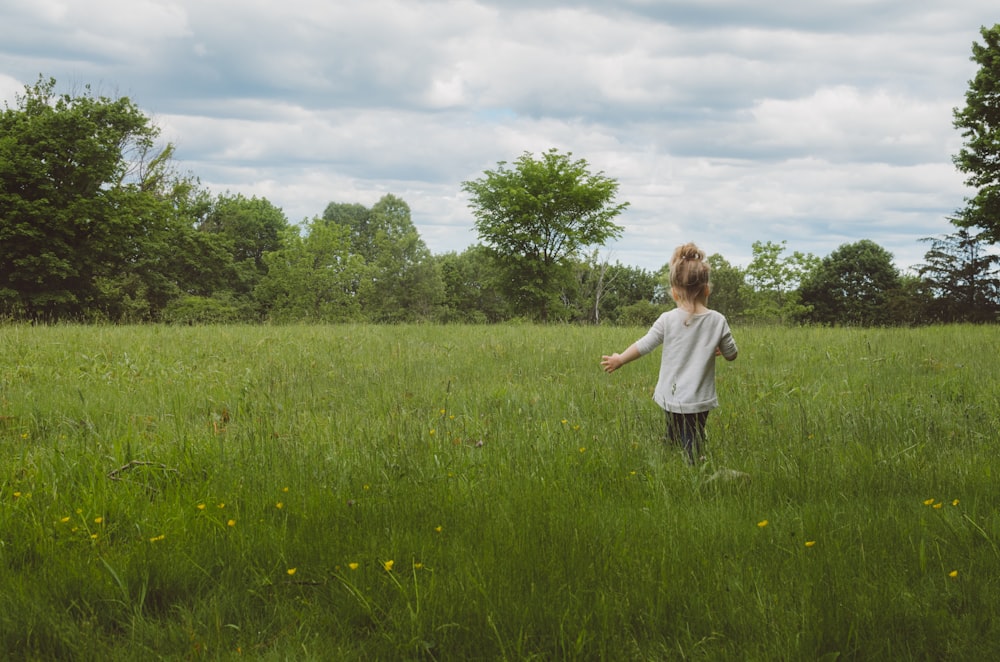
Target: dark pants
{"points": [[688, 430]]}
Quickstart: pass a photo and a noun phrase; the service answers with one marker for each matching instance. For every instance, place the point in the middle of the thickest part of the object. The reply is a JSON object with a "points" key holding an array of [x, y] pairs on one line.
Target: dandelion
{"points": [[938, 505], [352, 566], [64, 520], [279, 505], [231, 522], [442, 412], [810, 543], [93, 536], [433, 432], [284, 489], [291, 571], [221, 505], [388, 565], [418, 565], [953, 574], [439, 528], [929, 502], [157, 538], [17, 495], [201, 506], [955, 502], [762, 523], [564, 421], [98, 520]]}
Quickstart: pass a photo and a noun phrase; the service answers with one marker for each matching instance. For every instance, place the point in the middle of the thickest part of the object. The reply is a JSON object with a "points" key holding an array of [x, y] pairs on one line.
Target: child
{"points": [[692, 336]]}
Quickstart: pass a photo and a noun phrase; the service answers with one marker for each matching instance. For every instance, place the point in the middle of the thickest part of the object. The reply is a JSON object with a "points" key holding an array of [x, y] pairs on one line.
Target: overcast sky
{"points": [[724, 121]]}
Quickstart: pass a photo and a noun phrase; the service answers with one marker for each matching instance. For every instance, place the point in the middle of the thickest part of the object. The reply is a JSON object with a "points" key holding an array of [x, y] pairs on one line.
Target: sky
{"points": [[724, 122]]}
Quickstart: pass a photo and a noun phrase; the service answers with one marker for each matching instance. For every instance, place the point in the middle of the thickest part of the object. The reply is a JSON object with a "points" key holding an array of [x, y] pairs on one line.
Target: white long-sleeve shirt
{"points": [[687, 370]]}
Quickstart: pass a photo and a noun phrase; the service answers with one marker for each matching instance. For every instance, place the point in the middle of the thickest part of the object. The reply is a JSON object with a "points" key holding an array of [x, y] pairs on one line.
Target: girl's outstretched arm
{"points": [[615, 361]]}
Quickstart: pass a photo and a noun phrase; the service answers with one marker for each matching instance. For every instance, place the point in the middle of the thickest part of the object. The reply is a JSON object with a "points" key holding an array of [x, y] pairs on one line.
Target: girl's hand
{"points": [[611, 363]]}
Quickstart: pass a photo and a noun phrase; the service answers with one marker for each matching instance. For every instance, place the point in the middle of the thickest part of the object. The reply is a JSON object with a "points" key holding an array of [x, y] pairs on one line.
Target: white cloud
{"points": [[725, 122]]}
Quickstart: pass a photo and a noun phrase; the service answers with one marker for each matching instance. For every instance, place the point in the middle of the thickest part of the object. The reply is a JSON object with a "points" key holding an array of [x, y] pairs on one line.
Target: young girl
{"points": [[692, 336]]}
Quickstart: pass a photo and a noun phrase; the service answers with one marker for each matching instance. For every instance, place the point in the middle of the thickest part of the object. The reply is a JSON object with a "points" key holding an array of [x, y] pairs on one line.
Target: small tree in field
{"points": [[537, 217]]}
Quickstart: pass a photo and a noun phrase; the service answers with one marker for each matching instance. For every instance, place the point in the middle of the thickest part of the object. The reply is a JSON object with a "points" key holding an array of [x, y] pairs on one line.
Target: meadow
{"points": [[488, 493]]}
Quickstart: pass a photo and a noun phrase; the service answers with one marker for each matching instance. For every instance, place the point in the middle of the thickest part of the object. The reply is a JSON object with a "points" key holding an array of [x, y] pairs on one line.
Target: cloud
{"points": [[724, 122]]}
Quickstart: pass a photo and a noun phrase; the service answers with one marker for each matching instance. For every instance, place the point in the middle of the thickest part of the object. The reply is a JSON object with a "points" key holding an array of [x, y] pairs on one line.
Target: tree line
{"points": [[96, 224]]}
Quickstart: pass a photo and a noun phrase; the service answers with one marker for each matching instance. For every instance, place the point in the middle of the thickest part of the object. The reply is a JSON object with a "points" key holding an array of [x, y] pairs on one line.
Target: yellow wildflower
{"points": [[929, 502], [810, 543], [953, 574], [388, 565], [291, 571], [955, 502], [231, 522], [352, 566], [762, 523]]}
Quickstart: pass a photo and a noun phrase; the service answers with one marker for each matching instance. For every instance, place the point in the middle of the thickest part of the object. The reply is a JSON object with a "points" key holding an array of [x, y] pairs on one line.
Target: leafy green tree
{"points": [[401, 282], [72, 201], [979, 121], [312, 278], [247, 229], [852, 286], [728, 287], [607, 289], [773, 280], [964, 277], [536, 217], [471, 287]]}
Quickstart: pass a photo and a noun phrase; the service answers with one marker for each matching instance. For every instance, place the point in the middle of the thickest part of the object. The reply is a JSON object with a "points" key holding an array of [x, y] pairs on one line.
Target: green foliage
{"points": [[471, 286], [773, 282], [74, 174], [979, 121], [401, 281], [315, 277], [729, 288], [536, 217], [853, 285], [226, 492], [964, 277]]}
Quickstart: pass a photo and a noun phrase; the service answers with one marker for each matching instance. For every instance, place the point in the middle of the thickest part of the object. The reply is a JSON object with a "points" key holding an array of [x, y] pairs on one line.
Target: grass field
{"points": [[458, 493]]}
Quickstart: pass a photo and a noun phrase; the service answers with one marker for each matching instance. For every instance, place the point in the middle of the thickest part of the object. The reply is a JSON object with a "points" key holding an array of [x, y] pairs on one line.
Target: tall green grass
{"points": [[427, 492]]}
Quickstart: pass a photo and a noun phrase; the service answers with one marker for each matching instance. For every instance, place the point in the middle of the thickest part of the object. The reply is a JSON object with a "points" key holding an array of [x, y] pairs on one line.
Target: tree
{"points": [[471, 287], [852, 286], [536, 218], [728, 287], [773, 281], [74, 174], [979, 121], [606, 289], [401, 282], [963, 277], [312, 278], [247, 229]]}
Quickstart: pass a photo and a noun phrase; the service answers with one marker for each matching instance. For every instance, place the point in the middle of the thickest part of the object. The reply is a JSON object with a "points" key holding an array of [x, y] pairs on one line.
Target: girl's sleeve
{"points": [[728, 344]]}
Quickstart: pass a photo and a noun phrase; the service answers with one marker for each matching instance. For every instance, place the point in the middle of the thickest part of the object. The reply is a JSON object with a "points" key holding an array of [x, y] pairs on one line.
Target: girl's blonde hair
{"points": [[689, 273]]}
